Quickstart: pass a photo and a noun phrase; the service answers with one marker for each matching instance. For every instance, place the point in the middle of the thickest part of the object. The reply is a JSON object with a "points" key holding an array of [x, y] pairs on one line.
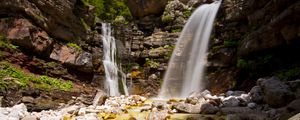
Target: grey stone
{"points": [[276, 93], [256, 94]]}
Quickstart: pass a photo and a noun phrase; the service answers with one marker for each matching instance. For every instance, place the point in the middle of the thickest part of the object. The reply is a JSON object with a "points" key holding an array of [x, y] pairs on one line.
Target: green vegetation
{"points": [[109, 9], [231, 43], [166, 19], [74, 45], [187, 13], [9, 76], [151, 63], [288, 74], [4, 43], [175, 30]]}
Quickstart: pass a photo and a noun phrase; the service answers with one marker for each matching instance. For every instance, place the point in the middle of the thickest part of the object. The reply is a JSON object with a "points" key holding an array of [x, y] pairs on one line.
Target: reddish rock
{"points": [[72, 56], [23, 33]]}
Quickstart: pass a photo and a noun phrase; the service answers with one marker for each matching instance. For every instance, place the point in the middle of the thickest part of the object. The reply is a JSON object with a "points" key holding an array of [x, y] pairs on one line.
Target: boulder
{"points": [[142, 8], [256, 94], [57, 17], [208, 108], [73, 56], [230, 101], [162, 115], [100, 98], [187, 108], [276, 93], [235, 110], [247, 116], [23, 33]]}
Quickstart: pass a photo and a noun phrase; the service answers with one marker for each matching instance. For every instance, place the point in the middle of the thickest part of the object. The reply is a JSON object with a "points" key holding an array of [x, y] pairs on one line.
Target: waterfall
{"points": [[110, 65], [186, 66]]}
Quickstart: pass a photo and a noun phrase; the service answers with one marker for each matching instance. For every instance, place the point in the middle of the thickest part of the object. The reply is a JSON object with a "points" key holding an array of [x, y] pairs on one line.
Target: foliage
{"points": [[74, 45], [288, 74], [151, 63], [175, 30], [231, 43], [166, 19], [109, 9], [187, 13], [8, 71], [4, 43], [244, 64]]}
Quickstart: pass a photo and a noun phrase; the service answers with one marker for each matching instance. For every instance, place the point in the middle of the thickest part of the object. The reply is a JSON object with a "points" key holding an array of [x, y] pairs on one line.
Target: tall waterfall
{"points": [[109, 62], [186, 66]]}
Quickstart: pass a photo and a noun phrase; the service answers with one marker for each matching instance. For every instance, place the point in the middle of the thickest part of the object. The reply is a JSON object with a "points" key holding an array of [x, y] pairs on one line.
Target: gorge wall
{"points": [[61, 39]]}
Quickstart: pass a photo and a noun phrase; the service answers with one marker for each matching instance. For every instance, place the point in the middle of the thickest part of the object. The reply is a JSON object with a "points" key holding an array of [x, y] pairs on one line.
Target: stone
{"points": [[30, 117], [162, 115], [144, 8], [251, 105], [187, 108], [295, 117], [23, 33], [234, 93], [235, 110], [56, 17], [73, 56], [276, 93], [27, 99], [256, 94], [208, 108], [247, 116], [230, 101], [100, 98]]}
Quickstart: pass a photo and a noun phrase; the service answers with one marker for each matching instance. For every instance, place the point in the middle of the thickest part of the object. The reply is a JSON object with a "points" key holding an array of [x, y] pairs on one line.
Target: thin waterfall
{"points": [[110, 65], [187, 64]]}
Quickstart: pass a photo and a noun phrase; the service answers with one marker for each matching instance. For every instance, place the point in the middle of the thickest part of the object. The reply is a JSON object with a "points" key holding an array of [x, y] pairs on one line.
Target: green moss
{"points": [[187, 13], [86, 26], [4, 43], [166, 19], [74, 45], [288, 74], [151, 63], [175, 30], [109, 9], [10, 75], [231, 43]]}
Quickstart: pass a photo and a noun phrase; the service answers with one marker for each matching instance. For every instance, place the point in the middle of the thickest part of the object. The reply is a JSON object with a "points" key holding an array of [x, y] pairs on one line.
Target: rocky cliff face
{"points": [[251, 39]]}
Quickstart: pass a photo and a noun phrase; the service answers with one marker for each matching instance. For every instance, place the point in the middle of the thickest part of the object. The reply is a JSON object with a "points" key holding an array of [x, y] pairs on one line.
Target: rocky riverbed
{"points": [[270, 99]]}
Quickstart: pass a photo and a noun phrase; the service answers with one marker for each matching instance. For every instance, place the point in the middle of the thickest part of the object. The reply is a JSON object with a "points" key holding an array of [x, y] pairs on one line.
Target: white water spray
{"points": [[109, 62], [186, 66]]}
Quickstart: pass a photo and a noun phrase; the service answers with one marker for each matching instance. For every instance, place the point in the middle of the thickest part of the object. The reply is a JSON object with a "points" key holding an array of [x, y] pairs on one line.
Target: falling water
{"points": [[186, 67], [109, 62]]}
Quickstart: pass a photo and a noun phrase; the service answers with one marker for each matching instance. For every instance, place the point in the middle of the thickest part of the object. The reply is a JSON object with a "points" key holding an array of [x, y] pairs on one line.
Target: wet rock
{"points": [[187, 108], [234, 93], [246, 116], [235, 110], [208, 108], [256, 94], [251, 105], [158, 115], [295, 117], [230, 101], [276, 93], [159, 105]]}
